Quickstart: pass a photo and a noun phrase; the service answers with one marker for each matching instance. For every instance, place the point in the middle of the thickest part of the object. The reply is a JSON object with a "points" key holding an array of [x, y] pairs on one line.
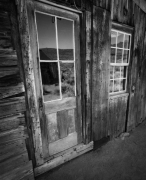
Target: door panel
{"points": [[59, 66]]}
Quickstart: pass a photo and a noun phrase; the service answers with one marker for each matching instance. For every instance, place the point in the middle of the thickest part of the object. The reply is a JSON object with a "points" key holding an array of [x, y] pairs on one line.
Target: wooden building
{"points": [[71, 73]]}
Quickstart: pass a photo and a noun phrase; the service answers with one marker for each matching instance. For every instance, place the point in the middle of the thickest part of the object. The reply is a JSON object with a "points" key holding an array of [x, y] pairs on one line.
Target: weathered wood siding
{"points": [[137, 101], [117, 115], [100, 72], [14, 159]]}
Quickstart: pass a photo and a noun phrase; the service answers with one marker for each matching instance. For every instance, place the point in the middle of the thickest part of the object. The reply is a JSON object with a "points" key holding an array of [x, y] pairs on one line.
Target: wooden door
{"points": [[58, 63]]}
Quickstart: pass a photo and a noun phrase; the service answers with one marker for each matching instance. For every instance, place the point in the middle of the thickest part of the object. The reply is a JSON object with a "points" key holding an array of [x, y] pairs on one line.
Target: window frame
{"points": [[129, 31], [58, 61]]}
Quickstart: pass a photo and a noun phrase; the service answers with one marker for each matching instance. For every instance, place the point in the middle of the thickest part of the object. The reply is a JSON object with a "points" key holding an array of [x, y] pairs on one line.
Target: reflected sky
{"points": [[47, 32]]}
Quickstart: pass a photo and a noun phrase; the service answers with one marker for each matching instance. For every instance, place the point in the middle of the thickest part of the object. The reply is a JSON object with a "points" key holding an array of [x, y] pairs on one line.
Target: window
{"points": [[119, 60], [57, 56]]}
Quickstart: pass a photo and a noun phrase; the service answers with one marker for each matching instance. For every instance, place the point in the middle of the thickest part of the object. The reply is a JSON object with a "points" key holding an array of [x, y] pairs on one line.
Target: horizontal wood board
{"points": [[14, 160]]}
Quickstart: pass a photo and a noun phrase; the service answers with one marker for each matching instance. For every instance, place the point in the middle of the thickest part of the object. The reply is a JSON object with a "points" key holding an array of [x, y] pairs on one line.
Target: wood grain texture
{"points": [[13, 163], [117, 115], [66, 156], [22, 172], [122, 11], [11, 135], [11, 90], [66, 103], [25, 55], [52, 127], [137, 88], [63, 144], [87, 96], [10, 150], [100, 72], [14, 160], [12, 122], [62, 122], [12, 106]]}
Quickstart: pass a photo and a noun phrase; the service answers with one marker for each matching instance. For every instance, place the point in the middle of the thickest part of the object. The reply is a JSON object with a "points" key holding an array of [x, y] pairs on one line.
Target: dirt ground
{"points": [[119, 159]]}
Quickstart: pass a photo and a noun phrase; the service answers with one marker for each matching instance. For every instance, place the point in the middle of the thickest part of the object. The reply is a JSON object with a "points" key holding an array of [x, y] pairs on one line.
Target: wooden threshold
{"points": [[70, 154]]}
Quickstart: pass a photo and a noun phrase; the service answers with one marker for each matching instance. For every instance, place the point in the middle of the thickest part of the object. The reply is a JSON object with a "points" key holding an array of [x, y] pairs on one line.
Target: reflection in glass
{"points": [[50, 80], [113, 38], [122, 84], [120, 40], [127, 41], [46, 36], [116, 85], [111, 85], [67, 79], [111, 72], [119, 55], [117, 73], [65, 39], [123, 71], [125, 56], [113, 52]]}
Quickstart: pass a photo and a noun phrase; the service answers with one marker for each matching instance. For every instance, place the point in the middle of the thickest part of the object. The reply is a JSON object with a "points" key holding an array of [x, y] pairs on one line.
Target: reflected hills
{"points": [[51, 54]]}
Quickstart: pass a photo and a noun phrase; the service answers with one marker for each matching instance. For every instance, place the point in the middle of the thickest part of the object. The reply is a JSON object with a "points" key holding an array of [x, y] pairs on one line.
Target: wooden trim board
{"points": [[70, 154]]}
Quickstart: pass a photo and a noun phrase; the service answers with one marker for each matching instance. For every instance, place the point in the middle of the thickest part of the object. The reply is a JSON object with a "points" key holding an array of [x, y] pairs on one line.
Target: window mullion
{"points": [[58, 56]]}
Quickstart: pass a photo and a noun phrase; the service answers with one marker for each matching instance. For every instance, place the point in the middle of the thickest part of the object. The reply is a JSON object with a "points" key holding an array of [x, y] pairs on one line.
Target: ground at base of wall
{"points": [[119, 159]]}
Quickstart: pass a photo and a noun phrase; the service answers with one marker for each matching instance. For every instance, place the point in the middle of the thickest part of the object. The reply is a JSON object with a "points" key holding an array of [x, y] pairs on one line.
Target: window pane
{"points": [[123, 71], [113, 52], [111, 72], [116, 85], [122, 84], [113, 38], [50, 81], [65, 39], [67, 79], [111, 86], [119, 56], [120, 40], [126, 56], [127, 41], [46, 36], [117, 73]]}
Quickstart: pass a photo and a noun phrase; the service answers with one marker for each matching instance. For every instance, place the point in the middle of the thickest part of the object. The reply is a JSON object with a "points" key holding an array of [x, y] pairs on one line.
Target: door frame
{"points": [[47, 9], [34, 104]]}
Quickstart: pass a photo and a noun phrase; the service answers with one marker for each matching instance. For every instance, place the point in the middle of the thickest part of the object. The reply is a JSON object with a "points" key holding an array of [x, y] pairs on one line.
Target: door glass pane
{"points": [[65, 39], [127, 41], [67, 79], [123, 71], [117, 73], [119, 56], [113, 52], [116, 85], [111, 72], [122, 84], [120, 40], [46, 36], [50, 81], [111, 86], [113, 38], [125, 56]]}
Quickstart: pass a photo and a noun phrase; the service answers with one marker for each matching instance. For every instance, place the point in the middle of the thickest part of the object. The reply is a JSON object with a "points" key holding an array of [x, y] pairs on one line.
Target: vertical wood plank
{"points": [[37, 77], [137, 82], [78, 120], [27, 65], [62, 122], [88, 108], [100, 71], [71, 120], [52, 127]]}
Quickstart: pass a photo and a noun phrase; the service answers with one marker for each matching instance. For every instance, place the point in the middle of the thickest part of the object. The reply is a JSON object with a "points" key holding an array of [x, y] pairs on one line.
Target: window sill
{"points": [[112, 96]]}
